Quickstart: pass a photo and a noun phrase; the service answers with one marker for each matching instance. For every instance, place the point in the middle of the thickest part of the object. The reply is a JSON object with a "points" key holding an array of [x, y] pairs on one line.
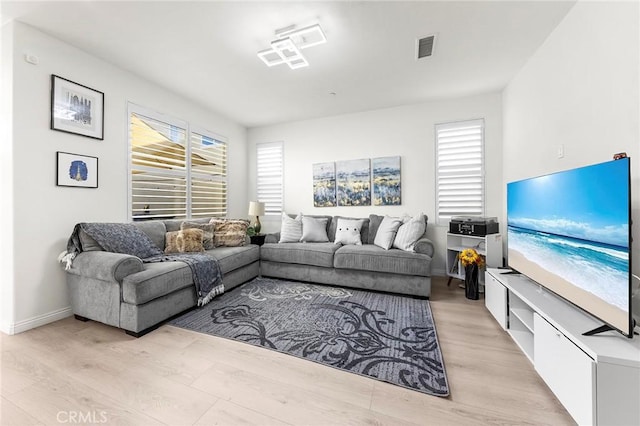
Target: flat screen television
{"points": [[571, 232]]}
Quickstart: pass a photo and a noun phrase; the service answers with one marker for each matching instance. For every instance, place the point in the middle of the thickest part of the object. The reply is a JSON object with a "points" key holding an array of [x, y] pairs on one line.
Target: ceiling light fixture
{"points": [[286, 48]]}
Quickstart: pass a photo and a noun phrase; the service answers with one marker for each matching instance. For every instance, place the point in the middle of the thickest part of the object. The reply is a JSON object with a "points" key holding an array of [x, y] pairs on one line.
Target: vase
{"points": [[471, 286]]}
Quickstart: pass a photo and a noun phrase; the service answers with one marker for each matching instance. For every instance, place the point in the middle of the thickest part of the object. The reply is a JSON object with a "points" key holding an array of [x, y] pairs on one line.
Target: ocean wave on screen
{"points": [[602, 271]]}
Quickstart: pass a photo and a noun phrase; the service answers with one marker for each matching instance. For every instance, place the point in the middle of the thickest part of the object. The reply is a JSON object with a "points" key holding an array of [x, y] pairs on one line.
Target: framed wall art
{"points": [[324, 185], [76, 108], [76, 170], [353, 182], [386, 181]]}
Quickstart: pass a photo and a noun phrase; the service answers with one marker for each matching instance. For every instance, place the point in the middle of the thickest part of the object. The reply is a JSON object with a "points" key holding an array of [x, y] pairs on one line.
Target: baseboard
{"points": [[438, 272], [40, 320]]}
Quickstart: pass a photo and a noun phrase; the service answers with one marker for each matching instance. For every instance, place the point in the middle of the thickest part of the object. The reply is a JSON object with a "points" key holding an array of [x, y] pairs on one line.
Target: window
{"points": [[270, 161], [460, 169], [175, 171]]}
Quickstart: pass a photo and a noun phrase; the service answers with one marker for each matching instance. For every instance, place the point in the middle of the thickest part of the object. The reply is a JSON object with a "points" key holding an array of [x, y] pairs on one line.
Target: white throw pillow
{"points": [[410, 232], [348, 231], [387, 232], [314, 230], [291, 229]]}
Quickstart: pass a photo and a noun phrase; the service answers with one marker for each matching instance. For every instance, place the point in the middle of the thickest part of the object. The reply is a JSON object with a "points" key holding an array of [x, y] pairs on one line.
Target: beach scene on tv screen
{"points": [[570, 232]]}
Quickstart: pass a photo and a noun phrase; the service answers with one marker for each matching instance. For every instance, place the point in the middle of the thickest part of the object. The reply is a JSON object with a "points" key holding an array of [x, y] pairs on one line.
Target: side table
{"points": [[258, 239]]}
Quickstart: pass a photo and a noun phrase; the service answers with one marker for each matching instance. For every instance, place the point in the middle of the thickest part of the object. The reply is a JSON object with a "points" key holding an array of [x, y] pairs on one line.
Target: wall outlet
{"points": [[560, 151]]}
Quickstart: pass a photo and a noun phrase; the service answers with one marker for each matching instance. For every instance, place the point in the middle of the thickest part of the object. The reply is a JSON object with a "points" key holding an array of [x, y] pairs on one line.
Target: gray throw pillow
{"points": [[314, 230], [387, 232], [374, 223]]}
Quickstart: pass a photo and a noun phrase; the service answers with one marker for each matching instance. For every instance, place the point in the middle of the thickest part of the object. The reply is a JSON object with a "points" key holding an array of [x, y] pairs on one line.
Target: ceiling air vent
{"points": [[425, 46]]}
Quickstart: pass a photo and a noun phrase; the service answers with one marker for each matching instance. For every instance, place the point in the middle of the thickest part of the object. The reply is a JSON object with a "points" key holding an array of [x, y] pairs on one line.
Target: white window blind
{"points": [[269, 175], [460, 169], [174, 173]]}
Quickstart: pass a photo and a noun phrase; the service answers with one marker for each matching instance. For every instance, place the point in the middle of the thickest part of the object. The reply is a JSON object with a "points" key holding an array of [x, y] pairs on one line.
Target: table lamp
{"points": [[256, 208]]}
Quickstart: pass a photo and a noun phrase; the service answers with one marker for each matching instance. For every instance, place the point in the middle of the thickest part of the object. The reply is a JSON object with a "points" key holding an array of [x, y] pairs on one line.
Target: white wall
{"points": [[407, 131], [6, 177], [43, 214], [580, 90]]}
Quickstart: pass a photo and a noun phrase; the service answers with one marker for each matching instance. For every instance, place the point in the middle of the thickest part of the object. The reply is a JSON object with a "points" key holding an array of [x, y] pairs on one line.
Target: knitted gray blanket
{"points": [[126, 238]]}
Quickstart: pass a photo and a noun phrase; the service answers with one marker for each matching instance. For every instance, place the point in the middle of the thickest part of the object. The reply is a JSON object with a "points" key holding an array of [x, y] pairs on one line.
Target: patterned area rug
{"points": [[387, 337]]}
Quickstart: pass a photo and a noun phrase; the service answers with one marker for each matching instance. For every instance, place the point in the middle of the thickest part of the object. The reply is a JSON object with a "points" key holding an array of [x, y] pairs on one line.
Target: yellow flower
{"points": [[469, 257]]}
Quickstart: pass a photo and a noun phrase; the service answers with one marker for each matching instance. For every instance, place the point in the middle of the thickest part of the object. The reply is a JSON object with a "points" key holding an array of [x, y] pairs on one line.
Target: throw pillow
{"points": [[410, 232], [348, 231], [374, 224], [229, 232], [190, 240], [171, 245], [387, 232], [314, 230], [291, 229], [207, 229]]}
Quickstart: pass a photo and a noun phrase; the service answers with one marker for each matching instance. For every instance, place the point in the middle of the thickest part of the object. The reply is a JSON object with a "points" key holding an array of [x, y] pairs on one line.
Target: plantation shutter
{"points": [[270, 163], [208, 176], [174, 172], [158, 168], [460, 169]]}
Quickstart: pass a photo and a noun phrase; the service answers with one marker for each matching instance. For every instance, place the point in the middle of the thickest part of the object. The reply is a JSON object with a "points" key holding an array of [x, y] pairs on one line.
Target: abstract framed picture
{"points": [[387, 189], [353, 182], [324, 185], [76, 108], [77, 170]]}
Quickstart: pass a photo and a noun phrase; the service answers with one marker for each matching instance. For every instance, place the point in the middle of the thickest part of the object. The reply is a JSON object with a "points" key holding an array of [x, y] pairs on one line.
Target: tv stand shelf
{"points": [[596, 378]]}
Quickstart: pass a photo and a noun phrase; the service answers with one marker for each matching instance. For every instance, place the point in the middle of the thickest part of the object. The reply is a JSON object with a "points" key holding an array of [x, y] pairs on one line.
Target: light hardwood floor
{"points": [[71, 372]]}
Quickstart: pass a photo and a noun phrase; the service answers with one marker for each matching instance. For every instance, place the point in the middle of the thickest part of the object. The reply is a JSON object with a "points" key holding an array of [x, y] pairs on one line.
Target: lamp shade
{"points": [[256, 208]]}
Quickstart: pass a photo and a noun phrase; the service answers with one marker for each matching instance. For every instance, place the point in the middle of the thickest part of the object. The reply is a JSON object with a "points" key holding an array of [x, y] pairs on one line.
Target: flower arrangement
{"points": [[471, 257]]}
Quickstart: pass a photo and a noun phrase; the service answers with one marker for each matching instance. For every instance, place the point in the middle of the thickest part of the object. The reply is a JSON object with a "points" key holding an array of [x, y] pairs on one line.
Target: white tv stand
{"points": [[596, 378]]}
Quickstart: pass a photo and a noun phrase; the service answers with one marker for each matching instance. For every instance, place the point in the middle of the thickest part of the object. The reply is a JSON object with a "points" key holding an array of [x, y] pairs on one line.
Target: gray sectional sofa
{"points": [[122, 291], [365, 266], [119, 290]]}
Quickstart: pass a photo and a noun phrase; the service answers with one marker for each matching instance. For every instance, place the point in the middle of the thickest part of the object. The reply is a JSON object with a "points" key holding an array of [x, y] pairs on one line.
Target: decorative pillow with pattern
{"points": [[229, 232], [190, 240], [410, 232], [291, 229], [207, 229], [187, 241], [348, 231]]}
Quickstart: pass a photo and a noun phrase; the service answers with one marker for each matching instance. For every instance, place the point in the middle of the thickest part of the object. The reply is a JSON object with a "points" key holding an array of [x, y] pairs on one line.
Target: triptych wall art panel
{"points": [[350, 183]]}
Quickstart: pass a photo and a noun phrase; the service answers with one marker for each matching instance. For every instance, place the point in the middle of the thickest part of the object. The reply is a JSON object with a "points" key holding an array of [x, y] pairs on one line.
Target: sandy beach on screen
{"points": [[589, 302]]}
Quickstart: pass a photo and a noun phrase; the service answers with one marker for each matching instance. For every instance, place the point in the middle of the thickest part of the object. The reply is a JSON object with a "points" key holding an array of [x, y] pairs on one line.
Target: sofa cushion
{"points": [[364, 232], [175, 224], [155, 230], [374, 223], [373, 258], [317, 254], [156, 280], [232, 258]]}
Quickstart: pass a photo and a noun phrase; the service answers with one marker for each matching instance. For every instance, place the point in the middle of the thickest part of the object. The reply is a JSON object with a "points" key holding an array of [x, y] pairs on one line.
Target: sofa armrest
{"points": [[105, 265], [272, 238], [424, 246]]}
